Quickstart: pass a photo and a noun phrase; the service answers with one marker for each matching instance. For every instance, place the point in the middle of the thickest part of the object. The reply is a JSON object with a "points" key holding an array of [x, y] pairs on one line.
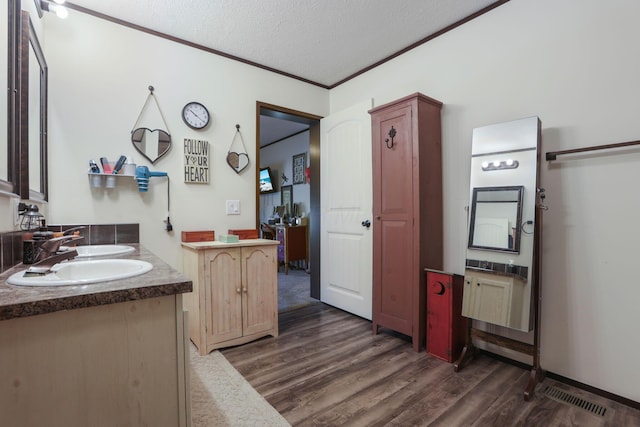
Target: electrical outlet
{"points": [[233, 207]]}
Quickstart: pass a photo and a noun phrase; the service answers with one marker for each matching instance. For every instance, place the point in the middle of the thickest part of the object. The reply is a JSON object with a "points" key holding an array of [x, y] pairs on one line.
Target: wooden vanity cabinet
{"points": [[119, 364], [407, 211], [235, 292], [494, 297]]}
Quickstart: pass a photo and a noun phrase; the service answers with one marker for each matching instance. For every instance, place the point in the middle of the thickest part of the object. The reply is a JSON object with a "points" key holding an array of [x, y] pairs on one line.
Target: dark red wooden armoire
{"points": [[407, 211]]}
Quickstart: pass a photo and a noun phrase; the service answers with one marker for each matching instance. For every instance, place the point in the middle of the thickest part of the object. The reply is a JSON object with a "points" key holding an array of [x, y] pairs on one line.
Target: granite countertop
{"points": [[496, 273], [218, 245], [23, 301]]}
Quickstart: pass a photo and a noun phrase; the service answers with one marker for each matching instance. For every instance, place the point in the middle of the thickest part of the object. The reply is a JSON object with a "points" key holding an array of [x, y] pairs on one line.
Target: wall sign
{"points": [[299, 166], [196, 161]]}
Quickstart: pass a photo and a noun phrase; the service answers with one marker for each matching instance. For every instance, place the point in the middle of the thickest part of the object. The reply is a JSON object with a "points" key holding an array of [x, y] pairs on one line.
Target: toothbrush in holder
{"points": [[119, 164], [106, 167]]}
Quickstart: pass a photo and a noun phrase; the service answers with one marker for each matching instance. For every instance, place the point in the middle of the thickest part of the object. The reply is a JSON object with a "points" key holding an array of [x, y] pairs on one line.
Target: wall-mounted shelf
{"points": [[107, 180]]}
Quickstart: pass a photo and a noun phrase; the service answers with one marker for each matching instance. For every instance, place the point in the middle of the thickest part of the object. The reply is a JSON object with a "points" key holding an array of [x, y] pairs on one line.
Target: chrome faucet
{"points": [[70, 231], [50, 254], [51, 247]]}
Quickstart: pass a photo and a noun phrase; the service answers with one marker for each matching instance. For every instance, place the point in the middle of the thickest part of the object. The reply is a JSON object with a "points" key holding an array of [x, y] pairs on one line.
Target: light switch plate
{"points": [[233, 207]]}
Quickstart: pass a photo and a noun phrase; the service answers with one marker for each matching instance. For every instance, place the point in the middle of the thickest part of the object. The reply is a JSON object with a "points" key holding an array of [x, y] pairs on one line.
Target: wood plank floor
{"points": [[327, 368]]}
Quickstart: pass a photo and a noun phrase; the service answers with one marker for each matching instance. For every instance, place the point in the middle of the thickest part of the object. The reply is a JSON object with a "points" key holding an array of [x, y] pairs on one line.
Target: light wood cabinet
{"points": [[407, 210], [493, 298], [118, 364], [235, 292]]}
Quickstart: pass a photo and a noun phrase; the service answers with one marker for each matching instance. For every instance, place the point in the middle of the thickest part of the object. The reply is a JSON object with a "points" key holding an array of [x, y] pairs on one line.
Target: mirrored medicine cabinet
{"points": [[500, 250], [9, 36], [33, 113], [23, 162]]}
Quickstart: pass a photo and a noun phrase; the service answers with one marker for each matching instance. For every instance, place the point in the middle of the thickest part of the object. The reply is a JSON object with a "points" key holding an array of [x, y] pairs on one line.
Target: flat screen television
{"points": [[267, 184]]}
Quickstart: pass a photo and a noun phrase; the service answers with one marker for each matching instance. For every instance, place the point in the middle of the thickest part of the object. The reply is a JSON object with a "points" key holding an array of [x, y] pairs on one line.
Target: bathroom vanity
{"points": [[235, 292], [103, 354]]}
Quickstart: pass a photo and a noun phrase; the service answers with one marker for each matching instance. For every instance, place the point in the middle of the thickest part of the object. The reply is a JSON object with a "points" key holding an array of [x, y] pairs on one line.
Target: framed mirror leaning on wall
{"points": [[501, 277]]}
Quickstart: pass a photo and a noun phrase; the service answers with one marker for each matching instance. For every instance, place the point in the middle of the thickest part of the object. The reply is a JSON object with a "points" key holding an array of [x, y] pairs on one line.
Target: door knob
{"points": [[366, 223]]}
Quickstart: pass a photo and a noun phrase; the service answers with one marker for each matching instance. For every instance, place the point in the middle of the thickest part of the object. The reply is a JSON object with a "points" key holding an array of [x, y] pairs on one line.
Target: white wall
{"points": [[574, 64], [99, 74], [279, 157]]}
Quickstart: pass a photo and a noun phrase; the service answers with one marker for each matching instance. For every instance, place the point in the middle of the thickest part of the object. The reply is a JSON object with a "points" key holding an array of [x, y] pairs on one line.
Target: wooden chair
{"points": [[268, 232]]}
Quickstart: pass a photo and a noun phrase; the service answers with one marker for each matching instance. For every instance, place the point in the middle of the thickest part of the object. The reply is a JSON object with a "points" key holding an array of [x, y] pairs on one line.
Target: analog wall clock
{"points": [[195, 115]]}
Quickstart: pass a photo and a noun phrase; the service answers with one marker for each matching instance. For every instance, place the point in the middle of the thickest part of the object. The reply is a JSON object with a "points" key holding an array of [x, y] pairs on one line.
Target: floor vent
{"points": [[563, 396]]}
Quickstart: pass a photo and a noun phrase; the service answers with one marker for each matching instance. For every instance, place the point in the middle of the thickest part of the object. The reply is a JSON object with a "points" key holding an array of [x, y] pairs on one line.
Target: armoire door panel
{"points": [[396, 273], [396, 165]]}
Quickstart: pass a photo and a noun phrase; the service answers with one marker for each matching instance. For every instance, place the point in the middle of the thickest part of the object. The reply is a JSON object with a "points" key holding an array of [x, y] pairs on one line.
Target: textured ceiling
{"points": [[321, 41]]}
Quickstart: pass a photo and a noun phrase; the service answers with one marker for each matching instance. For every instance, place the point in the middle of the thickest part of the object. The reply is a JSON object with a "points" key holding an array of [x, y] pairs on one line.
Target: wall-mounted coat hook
{"points": [[392, 134]]}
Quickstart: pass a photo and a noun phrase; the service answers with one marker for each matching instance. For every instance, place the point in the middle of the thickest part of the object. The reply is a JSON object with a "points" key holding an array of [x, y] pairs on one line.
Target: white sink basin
{"points": [[82, 273], [97, 251]]}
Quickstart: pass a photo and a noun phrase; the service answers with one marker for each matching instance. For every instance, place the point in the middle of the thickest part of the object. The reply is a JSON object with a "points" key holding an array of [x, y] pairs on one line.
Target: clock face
{"points": [[195, 115]]}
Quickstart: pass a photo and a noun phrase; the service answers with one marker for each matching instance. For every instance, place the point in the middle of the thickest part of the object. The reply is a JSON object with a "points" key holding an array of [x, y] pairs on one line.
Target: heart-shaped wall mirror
{"points": [[238, 159], [155, 143], [152, 144]]}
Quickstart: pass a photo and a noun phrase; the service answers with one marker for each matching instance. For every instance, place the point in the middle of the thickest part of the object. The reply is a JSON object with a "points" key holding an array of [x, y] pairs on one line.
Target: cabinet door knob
{"points": [[366, 223], [244, 290], [238, 290]]}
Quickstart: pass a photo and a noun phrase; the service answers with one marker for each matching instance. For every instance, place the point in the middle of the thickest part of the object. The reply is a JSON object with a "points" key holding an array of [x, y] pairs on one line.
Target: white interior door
{"points": [[345, 202]]}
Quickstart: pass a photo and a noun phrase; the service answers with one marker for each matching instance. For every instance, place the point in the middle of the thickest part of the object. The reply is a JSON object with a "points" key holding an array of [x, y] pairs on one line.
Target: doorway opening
{"points": [[288, 143]]}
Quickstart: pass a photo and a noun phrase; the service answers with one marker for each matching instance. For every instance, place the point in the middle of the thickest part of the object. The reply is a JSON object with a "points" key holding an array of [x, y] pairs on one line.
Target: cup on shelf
{"points": [[96, 180], [111, 182], [129, 169]]}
